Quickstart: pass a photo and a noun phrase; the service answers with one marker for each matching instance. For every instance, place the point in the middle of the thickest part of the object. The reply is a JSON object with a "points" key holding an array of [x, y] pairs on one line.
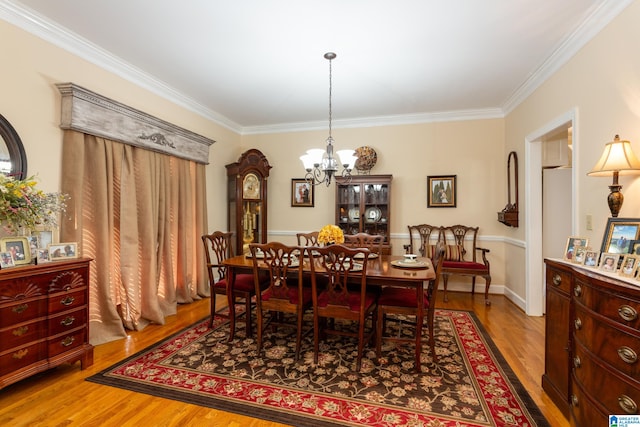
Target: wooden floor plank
{"points": [[62, 397]]}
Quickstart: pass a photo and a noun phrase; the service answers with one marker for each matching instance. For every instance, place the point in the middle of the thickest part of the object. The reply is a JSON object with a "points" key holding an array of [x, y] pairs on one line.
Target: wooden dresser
{"points": [[44, 318], [592, 343]]}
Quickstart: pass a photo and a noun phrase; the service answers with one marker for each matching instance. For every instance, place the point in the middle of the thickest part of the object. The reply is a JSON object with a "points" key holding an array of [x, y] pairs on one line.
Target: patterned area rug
{"points": [[470, 385]]}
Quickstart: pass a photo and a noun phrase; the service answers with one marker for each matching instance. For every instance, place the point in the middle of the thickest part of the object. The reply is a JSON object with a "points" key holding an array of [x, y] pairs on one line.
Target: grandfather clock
{"points": [[247, 194]]}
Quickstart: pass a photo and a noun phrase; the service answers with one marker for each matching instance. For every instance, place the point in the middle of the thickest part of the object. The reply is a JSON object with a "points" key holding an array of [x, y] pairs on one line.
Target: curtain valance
{"points": [[88, 112]]}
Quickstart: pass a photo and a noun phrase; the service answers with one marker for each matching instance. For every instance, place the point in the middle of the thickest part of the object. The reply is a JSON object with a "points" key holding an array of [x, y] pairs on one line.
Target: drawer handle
{"points": [[627, 404], [577, 324], [577, 291], [18, 332], [574, 400], [20, 354], [627, 313], [67, 301], [557, 279], [67, 341], [20, 308], [577, 362], [627, 355], [67, 321]]}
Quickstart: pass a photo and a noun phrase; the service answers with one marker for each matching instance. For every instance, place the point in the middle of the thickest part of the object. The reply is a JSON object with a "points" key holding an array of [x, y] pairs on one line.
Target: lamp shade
{"points": [[617, 157]]}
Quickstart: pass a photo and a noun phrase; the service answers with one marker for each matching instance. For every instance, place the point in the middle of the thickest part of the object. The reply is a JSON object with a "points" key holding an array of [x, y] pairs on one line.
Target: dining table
{"points": [[382, 270]]}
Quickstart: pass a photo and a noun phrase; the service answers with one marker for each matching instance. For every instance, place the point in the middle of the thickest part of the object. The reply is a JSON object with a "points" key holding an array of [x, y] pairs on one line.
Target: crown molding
{"points": [[600, 17]]}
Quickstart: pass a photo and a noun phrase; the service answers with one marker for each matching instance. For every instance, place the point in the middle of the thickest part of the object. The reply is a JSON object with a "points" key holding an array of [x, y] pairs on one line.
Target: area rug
{"points": [[470, 385]]}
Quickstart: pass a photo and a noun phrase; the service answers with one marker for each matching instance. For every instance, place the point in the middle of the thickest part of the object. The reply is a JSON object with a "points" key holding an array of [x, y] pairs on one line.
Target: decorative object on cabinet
{"points": [[18, 247], [441, 191], [608, 262], [617, 158], [302, 193], [321, 165], [14, 161], [594, 319], [6, 260], [247, 199], [509, 215], [44, 318], [591, 258], [60, 251], [572, 244], [367, 158], [629, 266], [363, 205], [619, 233]]}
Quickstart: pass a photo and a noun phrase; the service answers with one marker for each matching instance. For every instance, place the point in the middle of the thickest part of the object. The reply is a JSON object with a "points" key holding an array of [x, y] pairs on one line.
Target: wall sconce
{"points": [[618, 158]]}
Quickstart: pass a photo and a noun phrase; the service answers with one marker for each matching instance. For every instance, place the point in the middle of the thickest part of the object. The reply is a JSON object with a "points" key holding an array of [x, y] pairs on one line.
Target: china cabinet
{"points": [[247, 199], [363, 205], [592, 343], [44, 318]]}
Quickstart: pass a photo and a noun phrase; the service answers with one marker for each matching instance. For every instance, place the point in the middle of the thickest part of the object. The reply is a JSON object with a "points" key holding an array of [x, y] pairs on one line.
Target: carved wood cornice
{"points": [[88, 112]]}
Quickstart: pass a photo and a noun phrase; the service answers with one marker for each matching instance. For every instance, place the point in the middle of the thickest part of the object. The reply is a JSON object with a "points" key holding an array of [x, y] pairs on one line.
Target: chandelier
{"points": [[321, 165]]}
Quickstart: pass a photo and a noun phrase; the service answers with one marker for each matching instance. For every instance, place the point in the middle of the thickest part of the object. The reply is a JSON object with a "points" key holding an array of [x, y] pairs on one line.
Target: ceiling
{"points": [[258, 65]]}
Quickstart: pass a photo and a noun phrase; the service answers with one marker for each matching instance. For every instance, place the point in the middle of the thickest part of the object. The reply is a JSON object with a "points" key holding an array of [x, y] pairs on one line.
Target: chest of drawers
{"points": [[44, 318], [604, 344]]}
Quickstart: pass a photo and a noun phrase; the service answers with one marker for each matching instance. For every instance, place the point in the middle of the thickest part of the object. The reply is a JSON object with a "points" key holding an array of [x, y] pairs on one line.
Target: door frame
{"points": [[534, 262]]}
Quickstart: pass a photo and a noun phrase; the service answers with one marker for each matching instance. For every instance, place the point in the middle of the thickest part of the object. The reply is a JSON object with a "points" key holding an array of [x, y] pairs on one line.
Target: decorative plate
{"points": [[372, 214], [367, 158], [403, 264], [354, 214]]}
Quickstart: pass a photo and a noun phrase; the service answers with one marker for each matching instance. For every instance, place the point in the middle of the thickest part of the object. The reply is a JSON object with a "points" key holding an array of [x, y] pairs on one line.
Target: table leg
{"points": [[231, 301]]}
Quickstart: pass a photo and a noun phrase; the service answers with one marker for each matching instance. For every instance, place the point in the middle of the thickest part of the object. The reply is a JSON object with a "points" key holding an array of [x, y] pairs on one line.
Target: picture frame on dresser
{"points": [[63, 250], [608, 262], [6, 260], [19, 248], [591, 258], [619, 233], [629, 266], [574, 243]]}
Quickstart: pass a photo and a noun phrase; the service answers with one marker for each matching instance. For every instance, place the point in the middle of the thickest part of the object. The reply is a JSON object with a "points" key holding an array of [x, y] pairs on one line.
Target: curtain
{"points": [[140, 215]]}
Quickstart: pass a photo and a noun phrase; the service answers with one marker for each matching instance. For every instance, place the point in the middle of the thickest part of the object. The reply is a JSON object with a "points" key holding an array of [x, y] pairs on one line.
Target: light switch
{"points": [[589, 222]]}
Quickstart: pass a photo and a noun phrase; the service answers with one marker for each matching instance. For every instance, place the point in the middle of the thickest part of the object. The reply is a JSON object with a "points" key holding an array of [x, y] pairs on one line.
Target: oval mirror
{"points": [[13, 159]]}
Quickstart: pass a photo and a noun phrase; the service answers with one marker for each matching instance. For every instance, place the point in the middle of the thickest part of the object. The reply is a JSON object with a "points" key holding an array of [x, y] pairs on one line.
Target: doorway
{"points": [[535, 199]]}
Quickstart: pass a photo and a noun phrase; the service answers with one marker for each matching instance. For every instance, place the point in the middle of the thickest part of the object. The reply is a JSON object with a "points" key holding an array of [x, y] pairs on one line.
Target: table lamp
{"points": [[617, 158]]}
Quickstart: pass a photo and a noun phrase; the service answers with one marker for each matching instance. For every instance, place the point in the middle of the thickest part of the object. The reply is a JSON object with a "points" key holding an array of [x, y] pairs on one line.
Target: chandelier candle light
{"points": [[321, 165]]}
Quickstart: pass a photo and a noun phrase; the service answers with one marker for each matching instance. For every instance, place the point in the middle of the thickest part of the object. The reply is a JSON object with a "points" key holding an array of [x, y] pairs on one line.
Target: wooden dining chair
{"points": [[404, 301], [285, 292], [217, 248], [308, 239], [373, 242], [333, 274]]}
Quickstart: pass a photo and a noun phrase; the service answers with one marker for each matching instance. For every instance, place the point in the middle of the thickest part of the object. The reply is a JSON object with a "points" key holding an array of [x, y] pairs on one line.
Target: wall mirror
{"points": [[13, 159]]}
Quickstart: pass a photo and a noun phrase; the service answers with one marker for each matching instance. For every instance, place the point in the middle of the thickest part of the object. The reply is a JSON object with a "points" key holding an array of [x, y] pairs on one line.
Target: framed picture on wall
{"points": [[302, 194], [618, 235], [441, 191]]}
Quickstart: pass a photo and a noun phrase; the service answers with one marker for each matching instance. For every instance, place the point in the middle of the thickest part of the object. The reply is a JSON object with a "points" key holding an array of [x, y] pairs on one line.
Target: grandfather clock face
{"points": [[251, 186]]}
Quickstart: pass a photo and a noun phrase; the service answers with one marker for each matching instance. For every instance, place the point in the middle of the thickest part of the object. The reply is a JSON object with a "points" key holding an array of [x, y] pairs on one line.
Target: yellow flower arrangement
{"points": [[331, 234], [23, 206]]}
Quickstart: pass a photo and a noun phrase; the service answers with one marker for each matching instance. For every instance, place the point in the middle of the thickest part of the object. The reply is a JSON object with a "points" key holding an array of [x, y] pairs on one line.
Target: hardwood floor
{"points": [[61, 397]]}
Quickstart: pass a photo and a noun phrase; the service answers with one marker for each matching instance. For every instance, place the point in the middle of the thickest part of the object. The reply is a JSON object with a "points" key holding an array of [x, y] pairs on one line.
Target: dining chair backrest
{"points": [[218, 247], [338, 264], [281, 261], [420, 238], [308, 239], [373, 242]]}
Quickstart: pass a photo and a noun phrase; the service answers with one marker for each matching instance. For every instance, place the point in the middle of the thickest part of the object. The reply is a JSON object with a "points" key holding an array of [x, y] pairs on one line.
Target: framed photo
{"points": [[629, 266], [609, 262], [441, 191], [63, 251], [6, 260], [619, 233], [302, 194], [18, 247], [574, 243], [579, 254], [45, 238], [591, 258], [634, 247], [43, 255]]}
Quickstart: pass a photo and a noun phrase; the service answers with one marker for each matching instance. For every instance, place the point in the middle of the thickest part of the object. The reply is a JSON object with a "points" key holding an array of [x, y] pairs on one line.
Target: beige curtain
{"points": [[139, 214]]}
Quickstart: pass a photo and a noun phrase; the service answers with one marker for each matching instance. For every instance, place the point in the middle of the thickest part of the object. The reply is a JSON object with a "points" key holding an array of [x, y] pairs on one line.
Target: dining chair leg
{"points": [[212, 302], [418, 344], [259, 327], [247, 317], [232, 313]]}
